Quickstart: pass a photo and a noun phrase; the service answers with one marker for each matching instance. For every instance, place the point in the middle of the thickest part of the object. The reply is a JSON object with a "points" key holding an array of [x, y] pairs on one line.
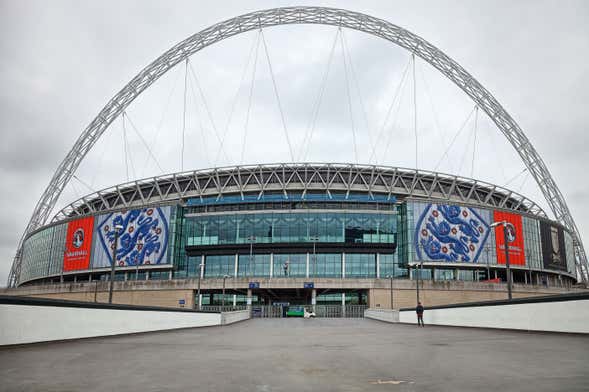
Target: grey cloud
{"points": [[62, 61]]}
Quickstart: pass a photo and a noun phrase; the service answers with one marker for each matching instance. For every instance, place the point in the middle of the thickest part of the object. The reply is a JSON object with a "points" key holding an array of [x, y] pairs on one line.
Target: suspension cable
{"points": [[184, 115], [394, 124], [92, 190], [514, 177], [126, 115], [128, 160], [249, 103], [444, 155], [389, 110], [415, 112], [201, 127], [350, 109], [465, 152], [358, 90], [277, 98], [435, 116], [162, 117], [474, 143], [317, 104], [208, 110], [255, 44]]}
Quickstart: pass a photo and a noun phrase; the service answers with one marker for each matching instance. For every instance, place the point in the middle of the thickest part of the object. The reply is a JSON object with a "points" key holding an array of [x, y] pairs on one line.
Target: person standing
{"points": [[419, 311]]}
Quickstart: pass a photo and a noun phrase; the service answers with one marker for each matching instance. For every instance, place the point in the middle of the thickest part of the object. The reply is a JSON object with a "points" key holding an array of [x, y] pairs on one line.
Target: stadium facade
{"points": [[297, 233], [300, 233]]}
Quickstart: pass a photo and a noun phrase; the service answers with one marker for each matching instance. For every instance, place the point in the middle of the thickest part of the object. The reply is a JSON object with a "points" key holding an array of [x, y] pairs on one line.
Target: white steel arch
{"points": [[306, 15]]}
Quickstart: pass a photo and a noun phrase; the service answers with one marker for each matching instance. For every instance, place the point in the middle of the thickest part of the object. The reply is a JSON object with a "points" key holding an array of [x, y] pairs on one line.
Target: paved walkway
{"points": [[304, 355]]}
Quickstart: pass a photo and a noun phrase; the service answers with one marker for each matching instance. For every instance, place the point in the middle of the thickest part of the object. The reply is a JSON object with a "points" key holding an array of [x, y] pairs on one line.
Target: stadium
{"points": [[337, 235]]}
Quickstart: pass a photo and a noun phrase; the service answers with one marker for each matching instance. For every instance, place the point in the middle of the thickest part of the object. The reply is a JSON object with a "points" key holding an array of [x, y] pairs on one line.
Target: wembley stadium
{"points": [[298, 233], [333, 234]]}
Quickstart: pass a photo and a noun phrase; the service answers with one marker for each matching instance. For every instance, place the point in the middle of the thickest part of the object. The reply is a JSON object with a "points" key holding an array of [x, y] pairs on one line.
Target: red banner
{"points": [[515, 238], [78, 243]]}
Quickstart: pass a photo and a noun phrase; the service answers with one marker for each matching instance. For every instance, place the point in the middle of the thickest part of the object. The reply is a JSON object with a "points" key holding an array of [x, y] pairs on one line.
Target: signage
{"points": [[254, 285], [181, 302], [515, 238], [309, 285], [142, 241], [450, 233], [553, 248], [78, 244]]}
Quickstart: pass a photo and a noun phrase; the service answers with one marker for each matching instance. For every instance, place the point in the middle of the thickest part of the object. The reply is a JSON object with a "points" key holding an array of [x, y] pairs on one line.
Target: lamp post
{"points": [[488, 269], [314, 239], [139, 245], [200, 268], [505, 224], [223, 299], [418, 273], [117, 228], [391, 277]]}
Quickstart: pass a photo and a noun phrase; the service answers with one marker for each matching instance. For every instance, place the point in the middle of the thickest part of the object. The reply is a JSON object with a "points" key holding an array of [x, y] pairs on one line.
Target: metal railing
{"points": [[219, 308], [324, 311]]}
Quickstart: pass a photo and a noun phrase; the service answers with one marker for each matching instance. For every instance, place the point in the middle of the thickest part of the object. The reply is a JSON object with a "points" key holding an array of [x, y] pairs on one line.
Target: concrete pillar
{"points": [[457, 274], [249, 299], [234, 300], [343, 265], [525, 278], [307, 273], [236, 262], [378, 266], [202, 267], [343, 304], [271, 264], [314, 298]]}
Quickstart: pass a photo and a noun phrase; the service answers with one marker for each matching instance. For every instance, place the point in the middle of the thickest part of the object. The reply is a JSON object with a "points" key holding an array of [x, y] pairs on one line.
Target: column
{"points": [[343, 265], [271, 264], [314, 298], [249, 299], [343, 304], [236, 262], [378, 266], [307, 274], [202, 266], [234, 300]]}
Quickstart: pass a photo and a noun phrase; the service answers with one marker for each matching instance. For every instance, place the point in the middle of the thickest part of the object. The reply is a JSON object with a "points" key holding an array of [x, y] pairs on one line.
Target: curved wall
{"points": [[356, 238]]}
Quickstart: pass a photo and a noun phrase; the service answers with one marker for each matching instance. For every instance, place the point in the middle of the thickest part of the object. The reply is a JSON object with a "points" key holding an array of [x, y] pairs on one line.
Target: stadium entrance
{"points": [[272, 303]]}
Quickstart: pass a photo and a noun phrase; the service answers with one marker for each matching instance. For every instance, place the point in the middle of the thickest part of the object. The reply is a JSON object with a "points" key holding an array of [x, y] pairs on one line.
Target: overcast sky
{"points": [[61, 61]]}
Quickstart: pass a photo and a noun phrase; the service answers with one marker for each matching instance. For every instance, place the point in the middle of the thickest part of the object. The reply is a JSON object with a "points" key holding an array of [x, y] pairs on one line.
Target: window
{"points": [[219, 266], [297, 265], [359, 265]]}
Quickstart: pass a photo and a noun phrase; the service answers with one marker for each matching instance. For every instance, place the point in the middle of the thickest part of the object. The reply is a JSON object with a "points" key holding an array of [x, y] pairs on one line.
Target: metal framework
{"points": [[300, 177], [306, 15]]}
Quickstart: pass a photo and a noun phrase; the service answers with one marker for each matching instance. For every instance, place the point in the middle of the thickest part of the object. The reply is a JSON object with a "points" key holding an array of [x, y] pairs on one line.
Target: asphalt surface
{"points": [[304, 355]]}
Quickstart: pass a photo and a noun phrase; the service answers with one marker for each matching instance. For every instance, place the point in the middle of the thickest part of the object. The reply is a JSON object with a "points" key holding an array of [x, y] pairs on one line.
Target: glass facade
{"points": [[351, 243], [360, 265], [253, 265], [532, 244], [43, 253], [287, 227], [292, 265]]}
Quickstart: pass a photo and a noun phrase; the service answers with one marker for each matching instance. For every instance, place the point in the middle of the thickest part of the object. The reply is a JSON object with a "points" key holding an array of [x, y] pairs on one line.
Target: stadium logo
{"points": [[510, 229], [450, 233], [78, 238], [143, 239]]}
